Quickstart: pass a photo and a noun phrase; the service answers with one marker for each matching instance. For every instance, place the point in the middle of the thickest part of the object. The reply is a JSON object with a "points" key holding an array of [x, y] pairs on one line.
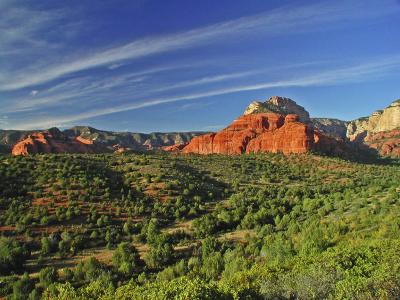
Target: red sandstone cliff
{"points": [[386, 143], [174, 148], [292, 137], [263, 132], [52, 141], [234, 138]]}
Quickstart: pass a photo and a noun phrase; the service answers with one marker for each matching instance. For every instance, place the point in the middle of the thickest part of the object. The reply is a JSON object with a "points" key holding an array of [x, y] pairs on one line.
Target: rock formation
{"points": [[380, 131], [130, 140], [276, 125], [96, 140], [261, 132], [52, 141], [234, 138], [358, 129], [292, 137], [280, 105], [269, 126], [387, 143], [380, 121], [332, 127]]}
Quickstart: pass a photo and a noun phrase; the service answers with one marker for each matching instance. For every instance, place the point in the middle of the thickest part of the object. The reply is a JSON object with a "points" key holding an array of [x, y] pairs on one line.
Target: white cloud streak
{"points": [[76, 88], [297, 19], [124, 85], [358, 73]]}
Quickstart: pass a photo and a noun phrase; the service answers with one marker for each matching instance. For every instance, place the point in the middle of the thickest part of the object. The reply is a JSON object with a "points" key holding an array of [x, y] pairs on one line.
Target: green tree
{"points": [[47, 276], [126, 259], [12, 255]]}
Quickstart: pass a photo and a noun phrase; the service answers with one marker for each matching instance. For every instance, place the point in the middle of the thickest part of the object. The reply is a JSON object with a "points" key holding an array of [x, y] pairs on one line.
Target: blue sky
{"points": [[184, 65]]}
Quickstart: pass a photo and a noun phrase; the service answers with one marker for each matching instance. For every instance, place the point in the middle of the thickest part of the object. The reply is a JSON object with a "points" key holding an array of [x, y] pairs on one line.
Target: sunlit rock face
{"points": [[261, 133], [387, 143], [380, 131], [52, 141], [380, 121], [280, 105]]}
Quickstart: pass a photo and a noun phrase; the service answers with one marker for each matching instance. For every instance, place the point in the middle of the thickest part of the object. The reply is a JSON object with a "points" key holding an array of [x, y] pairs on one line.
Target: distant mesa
{"points": [[281, 125], [278, 124], [264, 132], [379, 131], [52, 141], [174, 148], [84, 139]]}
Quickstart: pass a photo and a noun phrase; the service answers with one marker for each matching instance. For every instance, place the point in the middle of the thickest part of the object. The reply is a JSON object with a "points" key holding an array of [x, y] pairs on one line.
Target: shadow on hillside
{"points": [[362, 154], [206, 183]]}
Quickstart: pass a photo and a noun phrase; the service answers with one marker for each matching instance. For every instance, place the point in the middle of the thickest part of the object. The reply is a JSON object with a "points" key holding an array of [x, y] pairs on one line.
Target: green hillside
{"points": [[165, 226]]}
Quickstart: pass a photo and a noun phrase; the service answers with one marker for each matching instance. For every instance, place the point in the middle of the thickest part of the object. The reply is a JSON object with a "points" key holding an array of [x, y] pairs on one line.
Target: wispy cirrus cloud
{"points": [[357, 73], [296, 19], [26, 30], [75, 90]]}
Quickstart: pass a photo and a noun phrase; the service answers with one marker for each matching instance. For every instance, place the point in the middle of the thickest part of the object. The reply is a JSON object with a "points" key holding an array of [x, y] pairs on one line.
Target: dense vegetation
{"points": [[161, 226]]}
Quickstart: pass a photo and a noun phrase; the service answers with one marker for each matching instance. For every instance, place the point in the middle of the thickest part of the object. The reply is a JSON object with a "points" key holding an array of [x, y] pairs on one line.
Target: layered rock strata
{"points": [[262, 132], [52, 141]]}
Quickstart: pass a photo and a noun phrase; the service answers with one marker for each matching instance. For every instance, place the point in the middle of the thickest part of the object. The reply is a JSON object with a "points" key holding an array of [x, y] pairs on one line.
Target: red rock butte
{"points": [[262, 132], [51, 141]]}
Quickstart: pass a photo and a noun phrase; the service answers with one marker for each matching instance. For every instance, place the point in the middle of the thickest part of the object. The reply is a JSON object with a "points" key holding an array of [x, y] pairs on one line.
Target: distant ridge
{"points": [[264, 133], [379, 132], [104, 140]]}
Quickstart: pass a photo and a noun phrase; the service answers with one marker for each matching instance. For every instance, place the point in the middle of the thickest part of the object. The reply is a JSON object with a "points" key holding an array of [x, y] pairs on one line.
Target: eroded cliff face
{"points": [[379, 131], [387, 143], [285, 106], [52, 141], [280, 105], [260, 133], [292, 137], [390, 118], [332, 127], [234, 138], [72, 140], [380, 121], [276, 125]]}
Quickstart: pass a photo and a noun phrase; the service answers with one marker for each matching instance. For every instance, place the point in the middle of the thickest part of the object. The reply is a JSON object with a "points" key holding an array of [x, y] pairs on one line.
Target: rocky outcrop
{"points": [[380, 131], [175, 148], [101, 141], [390, 118], [380, 121], [387, 143], [359, 129], [269, 126], [130, 140], [362, 132], [279, 105], [234, 138], [292, 137], [8, 138], [51, 141], [332, 127], [261, 133], [284, 106]]}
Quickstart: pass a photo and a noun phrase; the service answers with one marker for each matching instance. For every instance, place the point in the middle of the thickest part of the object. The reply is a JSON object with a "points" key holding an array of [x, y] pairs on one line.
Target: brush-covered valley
{"points": [[157, 225]]}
